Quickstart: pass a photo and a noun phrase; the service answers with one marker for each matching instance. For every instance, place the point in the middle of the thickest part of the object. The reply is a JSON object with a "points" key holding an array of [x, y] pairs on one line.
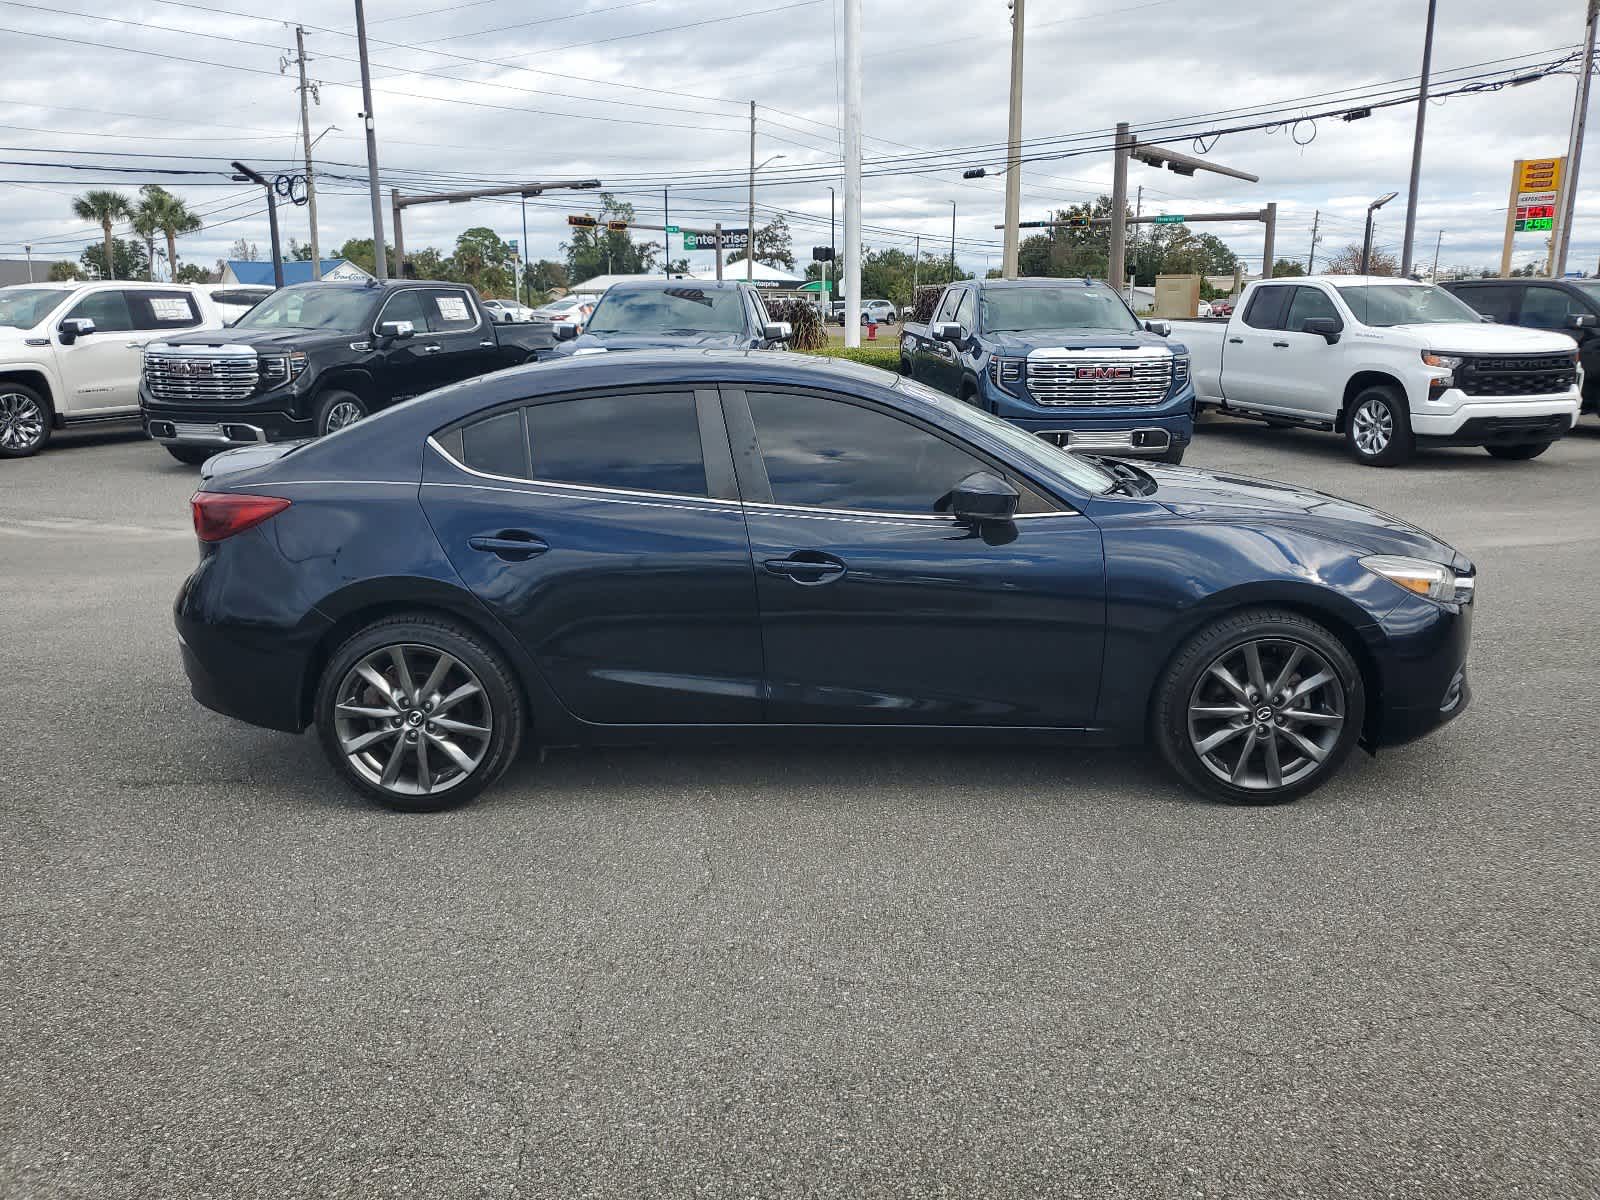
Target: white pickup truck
{"points": [[1389, 363], [71, 353]]}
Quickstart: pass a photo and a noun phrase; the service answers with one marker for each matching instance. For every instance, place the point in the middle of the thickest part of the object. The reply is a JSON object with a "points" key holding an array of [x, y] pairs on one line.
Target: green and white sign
{"points": [[732, 239], [1169, 219]]}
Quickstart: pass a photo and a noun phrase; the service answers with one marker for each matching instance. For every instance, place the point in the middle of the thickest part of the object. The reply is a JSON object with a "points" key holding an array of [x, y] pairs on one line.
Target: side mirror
{"points": [[983, 496], [1582, 321], [74, 328], [777, 331], [948, 331], [1159, 328], [565, 331], [1331, 328], [397, 330]]}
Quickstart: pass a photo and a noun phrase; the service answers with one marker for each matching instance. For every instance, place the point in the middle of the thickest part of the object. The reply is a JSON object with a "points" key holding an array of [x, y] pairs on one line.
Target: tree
{"points": [[243, 251], [542, 278], [128, 260], [483, 260], [161, 209], [62, 272], [194, 273], [602, 251], [1286, 266], [299, 251], [428, 263], [1348, 262], [774, 246], [145, 227], [104, 207]]}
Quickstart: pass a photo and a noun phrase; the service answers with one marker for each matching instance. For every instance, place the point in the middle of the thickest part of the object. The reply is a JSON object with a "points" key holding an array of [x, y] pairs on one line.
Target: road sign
{"points": [[671, 229], [582, 222], [732, 239], [1169, 219]]}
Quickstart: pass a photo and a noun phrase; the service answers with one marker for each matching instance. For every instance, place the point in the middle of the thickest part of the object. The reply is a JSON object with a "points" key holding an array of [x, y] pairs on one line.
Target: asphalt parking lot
{"points": [[828, 972]]}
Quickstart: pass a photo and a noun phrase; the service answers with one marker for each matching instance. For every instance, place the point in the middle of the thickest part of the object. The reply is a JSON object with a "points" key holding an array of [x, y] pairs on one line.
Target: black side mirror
{"points": [[1582, 321], [398, 331], [1159, 328], [74, 328], [566, 331], [983, 496], [1331, 328]]}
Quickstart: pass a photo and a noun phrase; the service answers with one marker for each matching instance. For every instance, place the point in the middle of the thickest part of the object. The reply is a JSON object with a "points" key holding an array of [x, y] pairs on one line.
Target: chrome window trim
{"points": [[561, 483], [639, 499], [390, 299], [853, 513]]}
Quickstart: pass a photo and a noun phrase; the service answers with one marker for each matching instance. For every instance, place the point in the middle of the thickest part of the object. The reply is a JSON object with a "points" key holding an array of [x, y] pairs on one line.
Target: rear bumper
{"points": [[1470, 422]]}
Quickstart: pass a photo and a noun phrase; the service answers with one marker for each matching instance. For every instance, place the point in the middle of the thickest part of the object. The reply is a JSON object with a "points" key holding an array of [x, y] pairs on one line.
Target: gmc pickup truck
{"points": [[313, 358], [693, 314], [1063, 358], [1388, 363]]}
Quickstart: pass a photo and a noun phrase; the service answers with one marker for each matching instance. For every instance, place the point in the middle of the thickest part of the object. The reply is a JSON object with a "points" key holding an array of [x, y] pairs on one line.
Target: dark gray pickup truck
{"points": [[691, 314]]}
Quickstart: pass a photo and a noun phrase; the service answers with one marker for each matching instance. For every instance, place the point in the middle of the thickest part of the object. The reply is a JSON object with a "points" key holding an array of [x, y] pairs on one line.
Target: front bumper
{"points": [[221, 428], [1424, 670], [1131, 431], [1462, 420]]}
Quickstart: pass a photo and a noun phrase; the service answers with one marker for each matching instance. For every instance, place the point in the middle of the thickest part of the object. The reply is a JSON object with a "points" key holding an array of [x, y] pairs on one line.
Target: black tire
{"points": [[1187, 680], [1172, 455], [25, 420], [905, 367], [499, 700], [192, 455], [1521, 452], [334, 406], [1394, 443]]}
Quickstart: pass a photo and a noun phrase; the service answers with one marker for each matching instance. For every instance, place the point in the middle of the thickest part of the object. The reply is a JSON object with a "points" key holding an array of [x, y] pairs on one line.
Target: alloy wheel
{"points": [[21, 421], [1266, 714], [412, 719], [344, 413], [1373, 427]]}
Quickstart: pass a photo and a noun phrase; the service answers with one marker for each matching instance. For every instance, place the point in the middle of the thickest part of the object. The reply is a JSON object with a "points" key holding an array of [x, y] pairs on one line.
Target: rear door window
{"points": [[1267, 308], [646, 442], [449, 311], [163, 310]]}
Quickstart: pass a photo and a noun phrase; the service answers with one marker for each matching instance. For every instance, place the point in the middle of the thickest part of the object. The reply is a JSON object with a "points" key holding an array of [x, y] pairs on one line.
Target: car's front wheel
{"points": [[1260, 707], [338, 409], [24, 421], [1377, 428], [192, 455], [418, 713]]}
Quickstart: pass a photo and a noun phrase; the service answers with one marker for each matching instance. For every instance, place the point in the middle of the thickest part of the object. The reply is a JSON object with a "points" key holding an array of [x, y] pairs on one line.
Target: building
{"points": [[19, 270], [294, 271]]}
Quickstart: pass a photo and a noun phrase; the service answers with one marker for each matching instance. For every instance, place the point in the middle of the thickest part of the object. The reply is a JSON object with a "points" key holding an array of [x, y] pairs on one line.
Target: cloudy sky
{"points": [[643, 94]]}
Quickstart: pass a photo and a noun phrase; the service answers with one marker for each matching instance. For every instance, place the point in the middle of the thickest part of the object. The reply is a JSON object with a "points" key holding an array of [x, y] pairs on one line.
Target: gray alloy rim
{"points": [[346, 412], [21, 421], [412, 720], [1373, 426], [1266, 714]]}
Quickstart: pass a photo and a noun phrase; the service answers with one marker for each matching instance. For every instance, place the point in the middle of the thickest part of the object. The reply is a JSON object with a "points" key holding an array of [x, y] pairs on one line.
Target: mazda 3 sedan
{"points": [[714, 545]]}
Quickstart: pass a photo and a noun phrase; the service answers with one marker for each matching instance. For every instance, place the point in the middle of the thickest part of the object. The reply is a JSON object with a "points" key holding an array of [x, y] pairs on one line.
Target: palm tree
{"points": [[145, 226], [104, 207], [171, 216]]}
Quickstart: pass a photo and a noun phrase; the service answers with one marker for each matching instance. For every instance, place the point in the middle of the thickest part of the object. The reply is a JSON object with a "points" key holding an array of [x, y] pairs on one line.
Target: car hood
{"points": [[1218, 495], [1476, 337], [1022, 342], [655, 341], [299, 338]]}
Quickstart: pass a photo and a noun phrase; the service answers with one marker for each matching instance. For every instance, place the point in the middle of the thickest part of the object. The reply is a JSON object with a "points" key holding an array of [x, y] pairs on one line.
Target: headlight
{"points": [[1448, 361], [281, 368], [1003, 371], [1435, 581], [1180, 369]]}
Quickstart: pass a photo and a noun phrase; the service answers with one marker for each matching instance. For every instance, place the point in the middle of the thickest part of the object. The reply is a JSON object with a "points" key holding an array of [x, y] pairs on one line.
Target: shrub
{"points": [[927, 297], [804, 320], [887, 356]]}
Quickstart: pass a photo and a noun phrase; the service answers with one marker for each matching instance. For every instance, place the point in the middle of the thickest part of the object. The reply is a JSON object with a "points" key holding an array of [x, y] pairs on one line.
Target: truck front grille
{"points": [[180, 377], [1517, 375], [1101, 382]]}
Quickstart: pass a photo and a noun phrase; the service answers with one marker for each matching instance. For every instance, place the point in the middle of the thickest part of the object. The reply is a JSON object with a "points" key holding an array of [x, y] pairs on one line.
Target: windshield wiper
{"points": [[1131, 480]]}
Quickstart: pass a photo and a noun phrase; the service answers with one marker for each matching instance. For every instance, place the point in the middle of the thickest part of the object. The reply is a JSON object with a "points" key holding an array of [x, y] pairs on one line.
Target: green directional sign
{"points": [[1169, 219], [672, 229]]}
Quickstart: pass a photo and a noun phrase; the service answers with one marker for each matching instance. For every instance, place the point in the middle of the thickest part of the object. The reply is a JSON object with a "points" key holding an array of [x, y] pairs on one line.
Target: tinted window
{"points": [[163, 310], [947, 306], [1547, 308], [1497, 301], [966, 310], [645, 443], [1309, 302], [108, 311], [1386, 304], [448, 312], [313, 306], [496, 446], [1266, 310], [405, 306], [677, 309], [1080, 307]]}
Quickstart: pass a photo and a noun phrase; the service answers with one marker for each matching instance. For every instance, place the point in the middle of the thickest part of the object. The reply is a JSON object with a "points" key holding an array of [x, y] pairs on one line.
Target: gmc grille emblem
{"points": [[1105, 373], [191, 368]]}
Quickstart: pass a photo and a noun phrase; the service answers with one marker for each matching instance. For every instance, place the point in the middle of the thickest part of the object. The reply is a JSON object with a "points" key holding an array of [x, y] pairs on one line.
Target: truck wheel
{"points": [[24, 421], [1520, 453], [1172, 455], [905, 367], [192, 455], [1377, 429], [337, 410]]}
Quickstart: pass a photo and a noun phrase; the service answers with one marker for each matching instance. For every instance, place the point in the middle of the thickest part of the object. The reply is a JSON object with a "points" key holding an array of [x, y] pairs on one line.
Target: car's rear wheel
{"points": [[24, 421], [418, 713], [1260, 707], [1519, 453], [192, 455], [338, 409], [1377, 428]]}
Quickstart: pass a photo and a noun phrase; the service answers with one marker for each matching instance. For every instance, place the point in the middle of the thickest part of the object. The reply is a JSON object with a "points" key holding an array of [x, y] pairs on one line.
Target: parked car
{"points": [[1569, 306], [1221, 308], [69, 352], [507, 311], [696, 314], [1390, 364], [233, 300], [572, 564], [1065, 359], [878, 312], [316, 357], [836, 312], [570, 310], [1203, 309]]}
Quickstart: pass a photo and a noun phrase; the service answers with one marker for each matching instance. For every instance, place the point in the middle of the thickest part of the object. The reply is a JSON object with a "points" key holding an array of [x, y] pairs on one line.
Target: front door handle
{"points": [[487, 344], [1280, 345], [1236, 341], [513, 545], [433, 349], [808, 568]]}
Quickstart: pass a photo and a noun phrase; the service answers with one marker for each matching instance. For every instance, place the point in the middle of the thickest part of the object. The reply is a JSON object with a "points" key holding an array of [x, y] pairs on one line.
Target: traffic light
{"points": [[974, 173], [617, 226], [822, 254], [1078, 222], [584, 222]]}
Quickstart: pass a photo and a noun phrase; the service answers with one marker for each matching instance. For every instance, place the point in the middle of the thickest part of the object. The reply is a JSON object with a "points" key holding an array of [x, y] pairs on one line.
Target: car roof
{"points": [[1036, 281], [709, 285]]}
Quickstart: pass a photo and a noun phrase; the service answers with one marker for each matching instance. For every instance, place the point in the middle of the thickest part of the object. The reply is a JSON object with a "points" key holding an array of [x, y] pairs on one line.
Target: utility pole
{"points": [[1115, 266], [246, 174], [1311, 259], [1133, 241], [1434, 278], [1008, 268], [952, 239], [1366, 240], [916, 262], [833, 281], [379, 267], [1580, 114], [1269, 254], [852, 172], [305, 137], [717, 231], [522, 274], [666, 238], [750, 218], [1416, 147]]}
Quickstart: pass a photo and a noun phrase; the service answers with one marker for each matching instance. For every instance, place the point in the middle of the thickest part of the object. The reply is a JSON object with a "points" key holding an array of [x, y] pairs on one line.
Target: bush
{"points": [[804, 320], [887, 356], [927, 298]]}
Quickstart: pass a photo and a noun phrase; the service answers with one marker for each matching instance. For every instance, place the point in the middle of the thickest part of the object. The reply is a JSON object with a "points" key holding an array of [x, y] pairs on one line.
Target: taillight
{"points": [[219, 515]]}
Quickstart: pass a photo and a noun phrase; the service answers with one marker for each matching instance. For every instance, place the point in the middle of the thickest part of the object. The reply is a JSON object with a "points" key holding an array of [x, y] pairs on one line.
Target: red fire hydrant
{"points": [[872, 331]]}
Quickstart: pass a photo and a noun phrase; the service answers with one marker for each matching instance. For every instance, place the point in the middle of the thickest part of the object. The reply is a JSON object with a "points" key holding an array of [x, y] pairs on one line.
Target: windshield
{"points": [[23, 308], [316, 306], [685, 309], [1035, 450], [1008, 310], [1384, 304]]}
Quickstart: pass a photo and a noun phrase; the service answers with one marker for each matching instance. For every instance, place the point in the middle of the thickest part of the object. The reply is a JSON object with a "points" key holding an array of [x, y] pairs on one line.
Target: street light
{"points": [[1366, 244], [750, 219]]}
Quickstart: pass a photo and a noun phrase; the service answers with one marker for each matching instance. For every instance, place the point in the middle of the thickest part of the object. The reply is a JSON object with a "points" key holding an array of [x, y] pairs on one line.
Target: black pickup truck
{"points": [[312, 358], [690, 314]]}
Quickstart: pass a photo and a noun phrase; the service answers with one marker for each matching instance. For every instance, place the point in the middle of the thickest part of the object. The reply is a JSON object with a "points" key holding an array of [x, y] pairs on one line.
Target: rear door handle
{"points": [[808, 568], [434, 349], [513, 545]]}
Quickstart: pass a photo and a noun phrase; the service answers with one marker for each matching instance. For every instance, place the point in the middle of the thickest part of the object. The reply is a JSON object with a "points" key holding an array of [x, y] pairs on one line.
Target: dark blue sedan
{"points": [[666, 545]]}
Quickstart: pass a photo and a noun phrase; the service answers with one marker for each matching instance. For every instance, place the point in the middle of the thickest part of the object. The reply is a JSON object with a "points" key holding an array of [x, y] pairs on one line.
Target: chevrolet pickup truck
{"points": [[1388, 363], [1063, 358], [693, 314], [70, 352], [313, 358]]}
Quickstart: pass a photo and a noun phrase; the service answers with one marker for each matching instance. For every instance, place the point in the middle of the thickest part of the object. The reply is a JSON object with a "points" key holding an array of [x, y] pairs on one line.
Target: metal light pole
{"points": [[305, 136], [1366, 241], [522, 274], [1416, 146], [666, 242], [379, 267], [1580, 113], [852, 172], [833, 284], [1008, 267], [28, 250], [1437, 246], [750, 235], [246, 174]]}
